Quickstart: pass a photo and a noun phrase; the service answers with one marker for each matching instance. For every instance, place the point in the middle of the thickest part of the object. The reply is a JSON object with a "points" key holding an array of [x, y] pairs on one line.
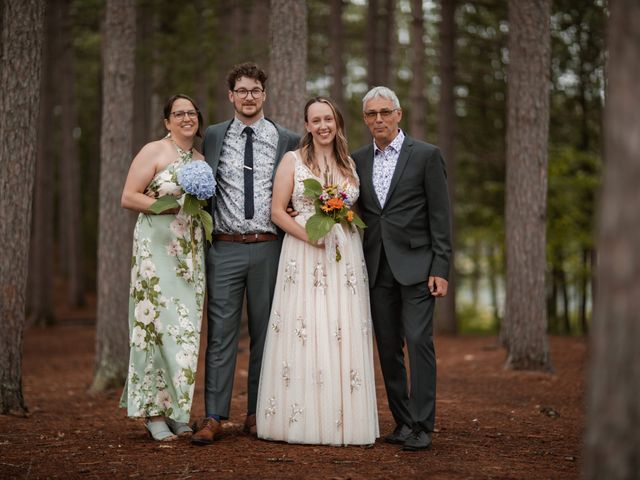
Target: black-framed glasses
{"points": [[243, 92], [384, 113], [179, 114]]}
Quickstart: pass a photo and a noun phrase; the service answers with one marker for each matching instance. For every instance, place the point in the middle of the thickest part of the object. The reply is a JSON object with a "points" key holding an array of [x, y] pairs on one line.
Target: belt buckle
{"points": [[249, 237]]}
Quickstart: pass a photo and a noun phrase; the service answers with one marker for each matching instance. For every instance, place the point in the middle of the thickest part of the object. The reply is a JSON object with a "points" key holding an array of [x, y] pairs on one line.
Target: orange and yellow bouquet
{"points": [[333, 207]]}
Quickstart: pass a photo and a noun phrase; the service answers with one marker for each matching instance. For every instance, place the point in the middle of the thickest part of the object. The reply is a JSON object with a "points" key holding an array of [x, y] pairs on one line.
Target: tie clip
{"points": [[248, 168]]}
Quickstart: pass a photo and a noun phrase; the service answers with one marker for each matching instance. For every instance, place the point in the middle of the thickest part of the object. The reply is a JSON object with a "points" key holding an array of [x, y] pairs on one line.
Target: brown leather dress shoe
{"points": [[205, 434], [250, 425]]}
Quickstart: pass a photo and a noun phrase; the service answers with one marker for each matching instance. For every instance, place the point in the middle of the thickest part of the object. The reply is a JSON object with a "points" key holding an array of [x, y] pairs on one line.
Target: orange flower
{"points": [[349, 216], [335, 203]]}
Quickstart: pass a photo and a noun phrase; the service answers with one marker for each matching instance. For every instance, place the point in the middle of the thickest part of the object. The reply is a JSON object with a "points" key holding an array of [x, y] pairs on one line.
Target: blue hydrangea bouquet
{"points": [[196, 179]]}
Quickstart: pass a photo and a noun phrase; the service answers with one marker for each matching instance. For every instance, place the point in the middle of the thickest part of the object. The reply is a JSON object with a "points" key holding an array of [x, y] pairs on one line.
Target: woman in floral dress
{"points": [[317, 380], [167, 281]]}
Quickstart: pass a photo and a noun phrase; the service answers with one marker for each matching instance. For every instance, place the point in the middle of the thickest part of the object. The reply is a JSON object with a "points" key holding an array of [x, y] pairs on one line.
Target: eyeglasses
{"points": [[385, 113], [181, 113], [243, 92]]}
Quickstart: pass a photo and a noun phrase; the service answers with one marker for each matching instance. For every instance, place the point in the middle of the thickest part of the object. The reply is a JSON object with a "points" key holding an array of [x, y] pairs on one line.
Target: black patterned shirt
{"points": [[229, 211]]}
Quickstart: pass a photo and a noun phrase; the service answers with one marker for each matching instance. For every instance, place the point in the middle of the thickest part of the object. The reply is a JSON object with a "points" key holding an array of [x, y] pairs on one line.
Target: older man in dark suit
{"points": [[407, 246]]}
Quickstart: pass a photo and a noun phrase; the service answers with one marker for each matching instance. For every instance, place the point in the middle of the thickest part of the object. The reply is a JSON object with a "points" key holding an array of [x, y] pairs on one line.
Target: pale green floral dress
{"points": [[165, 306]]}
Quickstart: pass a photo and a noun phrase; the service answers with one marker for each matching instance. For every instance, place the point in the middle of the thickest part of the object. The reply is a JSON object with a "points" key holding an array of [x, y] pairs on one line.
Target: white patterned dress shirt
{"points": [[229, 211], [384, 164]]}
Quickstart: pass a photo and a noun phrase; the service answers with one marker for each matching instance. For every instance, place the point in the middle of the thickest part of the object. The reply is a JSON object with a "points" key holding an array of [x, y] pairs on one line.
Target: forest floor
{"points": [[491, 423]]}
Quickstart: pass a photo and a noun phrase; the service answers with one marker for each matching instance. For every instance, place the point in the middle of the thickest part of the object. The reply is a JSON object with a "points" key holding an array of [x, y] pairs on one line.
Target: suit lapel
{"points": [[367, 177], [403, 158], [218, 138], [280, 149]]}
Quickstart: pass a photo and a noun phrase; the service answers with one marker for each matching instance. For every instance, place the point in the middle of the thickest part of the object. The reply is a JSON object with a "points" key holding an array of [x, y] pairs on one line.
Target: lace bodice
{"points": [[304, 205]]}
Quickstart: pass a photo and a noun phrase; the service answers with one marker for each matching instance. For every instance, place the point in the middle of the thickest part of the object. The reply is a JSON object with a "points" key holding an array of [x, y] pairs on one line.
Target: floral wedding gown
{"points": [[317, 379], [165, 306]]}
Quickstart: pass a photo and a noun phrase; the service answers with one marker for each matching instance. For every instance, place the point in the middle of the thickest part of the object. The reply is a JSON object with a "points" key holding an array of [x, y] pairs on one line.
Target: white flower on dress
{"points": [[169, 188], [184, 358], [173, 330], [147, 268], [275, 325], [351, 279], [270, 410], [290, 272], [286, 373], [158, 324], [179, 226], [296, 412], [164, 398], [174, 249], [145, 312], [301, 329], [339, 420], [138, 339], [180, 379], [356, 381], [338, 333]]}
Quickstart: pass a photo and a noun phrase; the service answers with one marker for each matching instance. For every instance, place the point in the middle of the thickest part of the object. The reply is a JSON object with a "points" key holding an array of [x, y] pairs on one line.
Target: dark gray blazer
{"points": [[414, 225], [214, 136]]}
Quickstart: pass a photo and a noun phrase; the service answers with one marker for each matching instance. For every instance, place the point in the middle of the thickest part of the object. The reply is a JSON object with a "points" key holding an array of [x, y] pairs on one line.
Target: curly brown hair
{"points": [[249, 70]]}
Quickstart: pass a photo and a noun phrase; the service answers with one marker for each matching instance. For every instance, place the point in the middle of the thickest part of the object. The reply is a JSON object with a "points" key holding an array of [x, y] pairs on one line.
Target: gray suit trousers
{"points": [[415, 408], [233, 268]]}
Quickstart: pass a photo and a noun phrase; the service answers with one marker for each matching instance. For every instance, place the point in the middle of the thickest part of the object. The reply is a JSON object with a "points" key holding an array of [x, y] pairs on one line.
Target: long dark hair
{"points": [[340, 146], [169, 105]]}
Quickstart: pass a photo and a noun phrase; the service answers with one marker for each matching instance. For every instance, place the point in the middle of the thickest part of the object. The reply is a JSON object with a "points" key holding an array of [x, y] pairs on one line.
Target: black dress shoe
{"points": [[399, 435], [418, 441]]}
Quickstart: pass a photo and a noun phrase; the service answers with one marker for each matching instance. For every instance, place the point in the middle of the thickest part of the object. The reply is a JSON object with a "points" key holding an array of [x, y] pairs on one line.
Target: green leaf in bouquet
{"points": [[312, 188], [207, 224], [191, 205], [163, 204], [318, 226], [357, 221]]}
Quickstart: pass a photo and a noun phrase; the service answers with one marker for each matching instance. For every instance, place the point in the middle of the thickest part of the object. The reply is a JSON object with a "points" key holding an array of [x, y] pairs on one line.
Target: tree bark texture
{"points": [[336, 49], [417, 97], [70, 196], [115, 224], [20, 69], [446, 319], [381, 31], [286, 88], [612, 443], [40, 290], [525, 323]]}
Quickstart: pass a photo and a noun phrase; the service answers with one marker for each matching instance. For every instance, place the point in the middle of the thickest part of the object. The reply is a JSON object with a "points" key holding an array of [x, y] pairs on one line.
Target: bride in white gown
{"points": [[317, 379]]}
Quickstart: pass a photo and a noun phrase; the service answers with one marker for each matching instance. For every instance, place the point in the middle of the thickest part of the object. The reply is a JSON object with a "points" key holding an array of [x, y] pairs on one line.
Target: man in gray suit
{"points": [[407, 247], [243, 153]]}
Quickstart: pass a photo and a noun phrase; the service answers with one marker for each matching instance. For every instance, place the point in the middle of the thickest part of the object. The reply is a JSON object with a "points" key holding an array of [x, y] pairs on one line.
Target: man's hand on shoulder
{"points": [[437, 286]]}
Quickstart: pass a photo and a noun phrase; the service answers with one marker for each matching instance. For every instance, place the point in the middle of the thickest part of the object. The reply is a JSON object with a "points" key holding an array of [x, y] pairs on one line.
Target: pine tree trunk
{"points": [[115, 224], [143, 78], [525, 322], [22, 31], [336, 52], [286, 90], [612, 442], [417, 98], [41, 276], [70, 196], [446, 321]]}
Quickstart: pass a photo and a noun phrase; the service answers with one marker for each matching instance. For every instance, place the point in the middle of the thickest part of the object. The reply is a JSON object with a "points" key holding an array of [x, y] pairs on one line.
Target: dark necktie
{"points": [[248, 173]]}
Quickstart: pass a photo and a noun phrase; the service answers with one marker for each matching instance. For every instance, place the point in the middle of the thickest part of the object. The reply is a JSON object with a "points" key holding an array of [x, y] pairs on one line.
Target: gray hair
{"points": [[383, 92]]}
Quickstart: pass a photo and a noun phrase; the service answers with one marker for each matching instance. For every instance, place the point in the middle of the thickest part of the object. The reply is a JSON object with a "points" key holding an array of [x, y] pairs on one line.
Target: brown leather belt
{"points": [[245, 237]]}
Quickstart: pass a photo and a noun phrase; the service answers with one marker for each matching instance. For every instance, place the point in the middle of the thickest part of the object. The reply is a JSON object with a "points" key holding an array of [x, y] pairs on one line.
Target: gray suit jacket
{"points": [[414, 225], [214, 136]]}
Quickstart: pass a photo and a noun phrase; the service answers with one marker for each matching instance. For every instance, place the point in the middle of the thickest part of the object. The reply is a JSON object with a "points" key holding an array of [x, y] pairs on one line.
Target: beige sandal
{"points": [[159, 430]]}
